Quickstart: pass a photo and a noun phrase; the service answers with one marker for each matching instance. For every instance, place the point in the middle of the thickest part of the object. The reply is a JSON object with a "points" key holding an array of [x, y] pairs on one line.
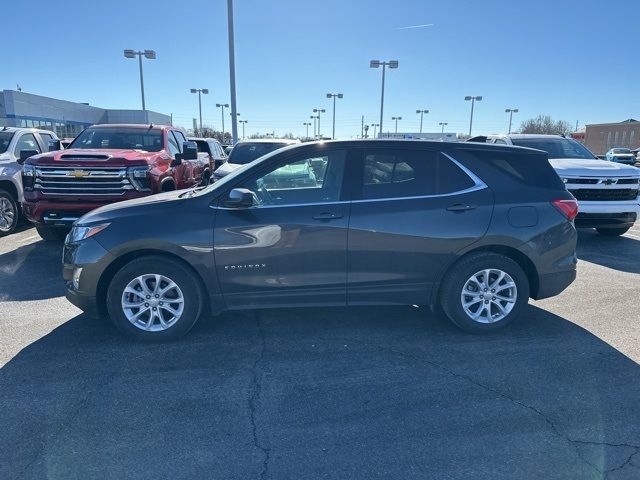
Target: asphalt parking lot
{"points": [[358, 393]]}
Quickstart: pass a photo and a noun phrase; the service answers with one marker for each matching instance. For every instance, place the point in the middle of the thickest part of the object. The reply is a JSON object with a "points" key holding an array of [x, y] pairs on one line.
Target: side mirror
{"points": [[24, 154], [54, 145], [177, 160], [241, 198]]}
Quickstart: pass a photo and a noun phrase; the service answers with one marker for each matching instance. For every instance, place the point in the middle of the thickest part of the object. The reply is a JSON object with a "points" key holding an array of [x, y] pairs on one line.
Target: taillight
{"points": [[569, 208]]}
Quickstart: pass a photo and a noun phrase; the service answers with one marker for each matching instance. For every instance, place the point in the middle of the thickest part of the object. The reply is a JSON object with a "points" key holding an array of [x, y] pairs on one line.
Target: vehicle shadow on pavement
{"points": [[618, 253], [352, 393], [31, 272]]}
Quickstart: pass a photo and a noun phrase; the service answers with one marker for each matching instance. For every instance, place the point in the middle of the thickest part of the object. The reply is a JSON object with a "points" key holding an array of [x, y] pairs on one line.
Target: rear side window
{"points": [[410, 173]]}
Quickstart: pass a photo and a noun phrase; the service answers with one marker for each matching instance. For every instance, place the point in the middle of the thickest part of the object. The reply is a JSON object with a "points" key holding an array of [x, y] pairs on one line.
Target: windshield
{"points": [[149, 139], [5, 140], [621, 150], [556, 147], [247, 152]]}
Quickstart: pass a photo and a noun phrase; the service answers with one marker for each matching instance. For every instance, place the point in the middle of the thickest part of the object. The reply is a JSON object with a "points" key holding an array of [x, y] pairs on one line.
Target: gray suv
{"points": [[476, 229]]}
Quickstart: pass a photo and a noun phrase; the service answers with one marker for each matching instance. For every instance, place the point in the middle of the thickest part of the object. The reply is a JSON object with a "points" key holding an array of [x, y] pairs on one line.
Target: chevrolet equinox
{"points": [[476, 229]]}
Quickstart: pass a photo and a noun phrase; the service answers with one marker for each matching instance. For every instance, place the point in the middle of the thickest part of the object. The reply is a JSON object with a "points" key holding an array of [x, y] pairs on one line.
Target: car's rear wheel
{"points": [[484, 292], [612, 232], [9, 213], [154, 298], [52, 234]]}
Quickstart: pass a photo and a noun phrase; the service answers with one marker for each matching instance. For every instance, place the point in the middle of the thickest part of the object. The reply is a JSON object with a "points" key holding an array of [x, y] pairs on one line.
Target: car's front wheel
{"points": [[484, 292], [612, 232], [9, 213], [154, 298]]}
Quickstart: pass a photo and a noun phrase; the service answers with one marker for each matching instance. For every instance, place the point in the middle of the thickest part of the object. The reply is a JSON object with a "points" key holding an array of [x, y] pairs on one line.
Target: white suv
{"points": [[13, 141], [607, 192]]}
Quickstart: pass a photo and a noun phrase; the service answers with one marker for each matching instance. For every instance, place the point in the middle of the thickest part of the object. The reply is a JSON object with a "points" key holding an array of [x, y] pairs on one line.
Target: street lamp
{"points": [[200, 91], [421, 112], [473, 101], [307, 124], [232, 73], [243, 123], [511, 111], [442, 124], [374, 125], [377, 64], [148, 54], [223, 106], [396, 119], [315, 123], [334, 96], [319, 111]]}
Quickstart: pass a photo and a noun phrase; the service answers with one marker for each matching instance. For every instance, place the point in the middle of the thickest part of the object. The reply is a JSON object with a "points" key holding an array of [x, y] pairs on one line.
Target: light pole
{"points": [[396, 119], [243, 123], [473, 101], [374, 125], [319, 111], [148, 54], [376, 64], [232, 74], [442, 124], [200, 91], [421, 112], [223, 106], [334, 95], [315, 122], [511, 111], [307, 124]]}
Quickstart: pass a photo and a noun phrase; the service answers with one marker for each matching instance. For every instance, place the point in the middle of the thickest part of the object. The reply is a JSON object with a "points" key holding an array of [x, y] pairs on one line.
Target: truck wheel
{"points": [[154, 298], [51, 234], [484, 292], [612, 232], [9, 213]]}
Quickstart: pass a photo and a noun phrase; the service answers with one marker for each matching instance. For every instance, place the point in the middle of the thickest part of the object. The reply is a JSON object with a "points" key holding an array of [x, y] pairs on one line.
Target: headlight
{"points": [[28, 176], [564, 180], [139, 177], [78, 232]]}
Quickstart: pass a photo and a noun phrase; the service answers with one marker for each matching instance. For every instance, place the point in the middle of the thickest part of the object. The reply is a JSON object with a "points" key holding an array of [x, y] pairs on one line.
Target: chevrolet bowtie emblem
{"points": [[78, 173]]}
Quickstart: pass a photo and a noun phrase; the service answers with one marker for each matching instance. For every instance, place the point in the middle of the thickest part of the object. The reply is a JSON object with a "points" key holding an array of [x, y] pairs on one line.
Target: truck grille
{"points": [[604, 194], [109, 181]]}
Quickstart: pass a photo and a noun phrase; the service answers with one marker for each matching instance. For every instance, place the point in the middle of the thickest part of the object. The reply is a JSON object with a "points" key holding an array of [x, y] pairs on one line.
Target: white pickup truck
{"points": [[607, 192], [13, 141]]}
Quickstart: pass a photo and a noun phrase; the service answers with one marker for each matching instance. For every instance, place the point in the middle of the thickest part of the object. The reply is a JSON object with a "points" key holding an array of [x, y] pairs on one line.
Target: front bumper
{"points": [[89, 256]]}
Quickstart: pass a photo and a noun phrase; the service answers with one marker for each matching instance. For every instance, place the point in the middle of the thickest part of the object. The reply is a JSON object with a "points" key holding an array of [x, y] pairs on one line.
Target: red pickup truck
{"points": [[106, 164]]}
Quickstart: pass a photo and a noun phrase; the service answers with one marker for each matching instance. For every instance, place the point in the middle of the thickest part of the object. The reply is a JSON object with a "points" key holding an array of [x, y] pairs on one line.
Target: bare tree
{"points": [[544, 124]]}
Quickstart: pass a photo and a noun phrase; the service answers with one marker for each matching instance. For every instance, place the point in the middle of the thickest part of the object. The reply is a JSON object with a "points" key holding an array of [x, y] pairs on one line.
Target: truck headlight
{"points": [[28, 176], [79, 232], [139, 178]]}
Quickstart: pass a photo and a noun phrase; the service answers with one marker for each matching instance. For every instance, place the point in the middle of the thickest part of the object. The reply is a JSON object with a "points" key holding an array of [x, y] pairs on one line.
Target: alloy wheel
{"points": [[152, 302], [489, 295]]}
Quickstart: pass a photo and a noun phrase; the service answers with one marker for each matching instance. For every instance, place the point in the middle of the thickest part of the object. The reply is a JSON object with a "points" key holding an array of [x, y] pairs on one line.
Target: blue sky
{"points": [[573, 60]]}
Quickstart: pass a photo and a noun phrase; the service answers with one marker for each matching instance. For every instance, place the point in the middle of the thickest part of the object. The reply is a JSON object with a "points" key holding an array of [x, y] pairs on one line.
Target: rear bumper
{"points": [[552, 284]]}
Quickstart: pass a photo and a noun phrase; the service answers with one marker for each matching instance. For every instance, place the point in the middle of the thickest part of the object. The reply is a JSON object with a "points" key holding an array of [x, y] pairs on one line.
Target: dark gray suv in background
{"points": [[477, 229]]}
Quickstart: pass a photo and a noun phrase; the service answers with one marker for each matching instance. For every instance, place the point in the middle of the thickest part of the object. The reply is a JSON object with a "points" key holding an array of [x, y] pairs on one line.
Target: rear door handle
{"points": [[327, 216], [461, 207]]}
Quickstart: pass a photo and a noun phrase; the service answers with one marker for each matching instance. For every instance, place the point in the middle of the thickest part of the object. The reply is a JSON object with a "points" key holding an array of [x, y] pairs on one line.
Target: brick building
{"points": [[601, 137]]}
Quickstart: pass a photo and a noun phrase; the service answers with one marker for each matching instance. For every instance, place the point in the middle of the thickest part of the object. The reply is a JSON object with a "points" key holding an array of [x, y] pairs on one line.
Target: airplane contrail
{"points": [[415, 26]]}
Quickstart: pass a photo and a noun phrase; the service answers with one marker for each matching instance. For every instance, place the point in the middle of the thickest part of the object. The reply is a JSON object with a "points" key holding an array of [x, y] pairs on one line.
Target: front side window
{"points": [[180, 138], [26, 142], [410, 173], [172, 144], [5, 140], [307, 179]]}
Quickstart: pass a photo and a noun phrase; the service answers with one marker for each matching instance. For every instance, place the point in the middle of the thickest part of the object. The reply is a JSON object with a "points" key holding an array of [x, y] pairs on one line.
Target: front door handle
{"points": [[461, 207], [327, 216]]}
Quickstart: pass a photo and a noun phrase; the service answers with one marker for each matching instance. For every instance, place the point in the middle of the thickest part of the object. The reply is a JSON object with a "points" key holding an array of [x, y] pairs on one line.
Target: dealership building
{"points": [[67, 119], [601, 137]]}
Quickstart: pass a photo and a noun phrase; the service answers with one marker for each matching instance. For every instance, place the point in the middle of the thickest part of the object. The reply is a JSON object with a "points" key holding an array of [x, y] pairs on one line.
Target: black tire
{"points": [[181, 275], [10, 213], [613, 232], [52, 234], [462, 271]]}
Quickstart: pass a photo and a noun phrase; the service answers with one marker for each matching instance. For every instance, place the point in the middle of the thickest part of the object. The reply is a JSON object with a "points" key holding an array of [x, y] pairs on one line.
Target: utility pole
{"points": [[377, 64], [362, 127], [232, 74]]}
